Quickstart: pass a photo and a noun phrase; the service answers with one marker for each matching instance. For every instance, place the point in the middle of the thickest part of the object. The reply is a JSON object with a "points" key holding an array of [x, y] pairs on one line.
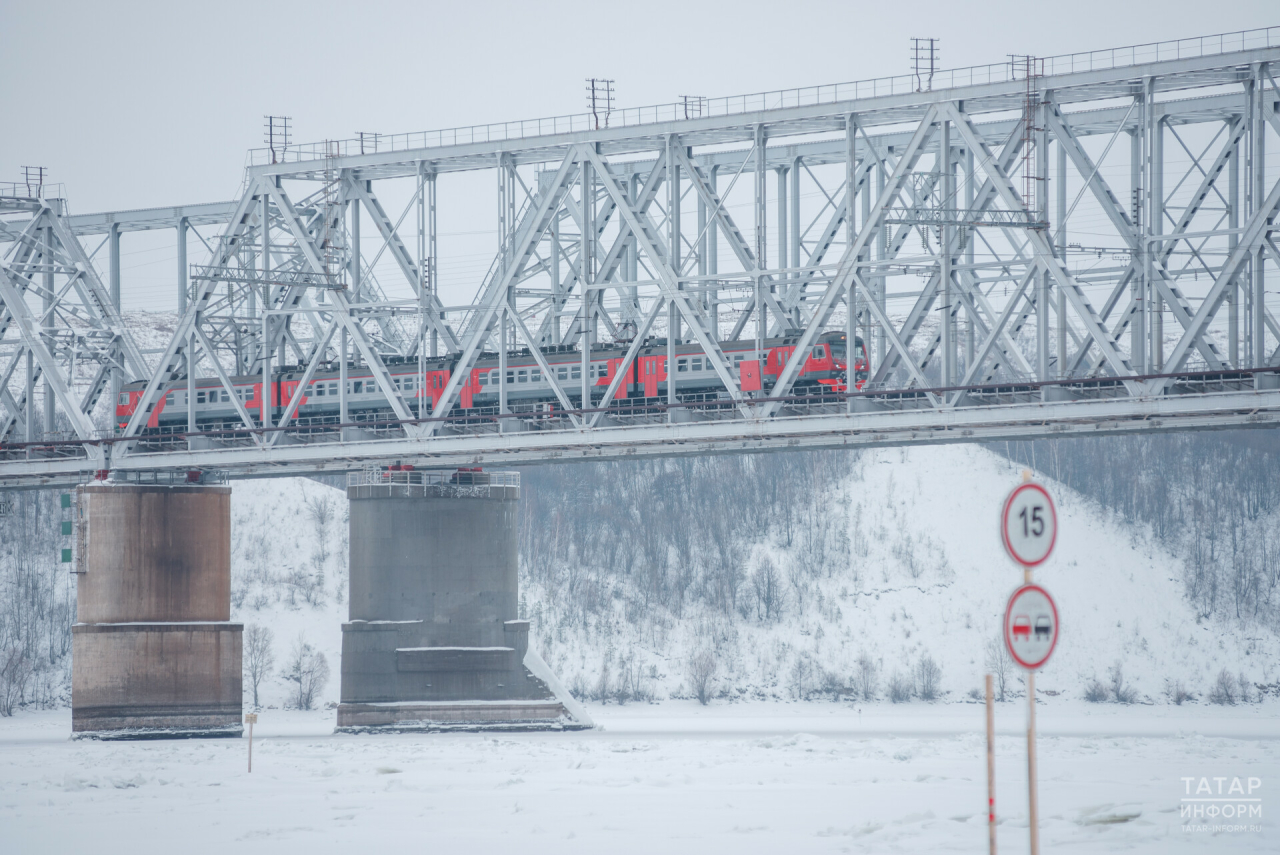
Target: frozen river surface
{"points": [[670, 778]]}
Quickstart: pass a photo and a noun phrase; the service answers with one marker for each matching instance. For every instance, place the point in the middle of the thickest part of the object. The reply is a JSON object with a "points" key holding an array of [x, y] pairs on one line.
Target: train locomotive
{"points": [[825, 370]]}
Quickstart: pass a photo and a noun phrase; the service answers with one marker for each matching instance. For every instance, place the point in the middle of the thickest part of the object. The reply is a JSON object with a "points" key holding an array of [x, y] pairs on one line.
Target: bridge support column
{"points": [[434, 641], [154, 653]]}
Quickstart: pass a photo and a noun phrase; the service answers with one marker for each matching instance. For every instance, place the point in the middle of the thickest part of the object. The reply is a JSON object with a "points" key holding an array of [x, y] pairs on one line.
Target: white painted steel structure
{"points": [[1097, 254]]}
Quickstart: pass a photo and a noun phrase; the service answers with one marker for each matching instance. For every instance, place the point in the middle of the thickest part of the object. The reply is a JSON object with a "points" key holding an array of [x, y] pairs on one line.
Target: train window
{"points": [[535, 375], [575, 372], [357, 387], [168, 400], [410, 384], [319, 390], [493, 377], [562, 373], [696, 363], [226, 399], [511, 376], [333, 388], [522, 376], [200, 397], [604, 371], [484, 379], [737, 359], [682, 365], [819, 352]]}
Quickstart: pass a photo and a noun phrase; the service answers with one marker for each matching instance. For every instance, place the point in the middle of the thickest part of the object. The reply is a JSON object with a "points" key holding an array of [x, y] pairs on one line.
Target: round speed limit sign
{"points": [[1029, 524]]}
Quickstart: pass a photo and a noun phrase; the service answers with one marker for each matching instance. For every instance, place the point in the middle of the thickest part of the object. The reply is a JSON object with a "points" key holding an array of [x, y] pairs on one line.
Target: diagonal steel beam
{"points": [[846, 276], [1041, 251], [669, 280], [494, 292]]}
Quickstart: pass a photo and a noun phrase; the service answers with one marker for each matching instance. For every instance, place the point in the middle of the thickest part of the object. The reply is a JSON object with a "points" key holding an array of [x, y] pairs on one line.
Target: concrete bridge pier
{"points": [[154, 654], [434, 640]]}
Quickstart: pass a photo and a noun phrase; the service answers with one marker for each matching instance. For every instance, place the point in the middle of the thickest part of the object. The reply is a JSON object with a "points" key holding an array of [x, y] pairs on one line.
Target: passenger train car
{"points": [[825, 370]]}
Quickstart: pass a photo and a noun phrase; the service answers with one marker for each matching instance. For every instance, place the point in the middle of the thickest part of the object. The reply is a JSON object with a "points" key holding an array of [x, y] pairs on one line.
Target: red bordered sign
{"points": [[1029, 525], [1031, 626]]}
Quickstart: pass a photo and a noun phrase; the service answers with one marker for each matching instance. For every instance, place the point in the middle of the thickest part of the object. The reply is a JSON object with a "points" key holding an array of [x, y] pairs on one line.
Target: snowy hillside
{"points": [[917, 572]]}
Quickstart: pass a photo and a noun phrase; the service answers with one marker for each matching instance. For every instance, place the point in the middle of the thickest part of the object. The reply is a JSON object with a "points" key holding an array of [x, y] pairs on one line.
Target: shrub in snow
{"points": [[702, 672], [899, 688], [1224, 689], [864, 679], [999, 665], [928, 676], [308, 670], [1095, 692], [1242, 683], [15, 670], [259, 656], [1120, 692], [1176, 692]]}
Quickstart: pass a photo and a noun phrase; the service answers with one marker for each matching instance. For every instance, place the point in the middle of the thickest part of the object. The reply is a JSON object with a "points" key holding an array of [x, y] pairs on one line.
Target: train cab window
{"points": [[682, 365], [837, 349], [124, 399], [819, 352], [695, 364], [522, 376]]}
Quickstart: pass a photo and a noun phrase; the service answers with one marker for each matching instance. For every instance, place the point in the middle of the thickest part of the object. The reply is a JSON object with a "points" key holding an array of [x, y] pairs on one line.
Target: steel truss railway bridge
{"points": [[1073, 245]]}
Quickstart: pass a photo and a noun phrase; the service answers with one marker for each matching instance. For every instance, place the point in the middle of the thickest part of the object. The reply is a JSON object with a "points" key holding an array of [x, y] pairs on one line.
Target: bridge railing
{"points": [[1098, 60]]}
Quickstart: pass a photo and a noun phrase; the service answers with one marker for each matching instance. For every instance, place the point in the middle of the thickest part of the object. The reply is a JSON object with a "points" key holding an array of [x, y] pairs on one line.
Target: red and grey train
{"points": [[825, 371]]}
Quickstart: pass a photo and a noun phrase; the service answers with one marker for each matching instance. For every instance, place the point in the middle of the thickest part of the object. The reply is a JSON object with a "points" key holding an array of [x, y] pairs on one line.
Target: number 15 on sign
{"points": [[1029, 525]]}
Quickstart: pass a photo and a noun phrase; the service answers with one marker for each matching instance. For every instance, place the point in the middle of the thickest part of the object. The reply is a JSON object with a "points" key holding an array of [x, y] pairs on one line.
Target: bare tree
{"points": [[766, 583], [702, 672], [15, 670], [928, 676], [999, 664], [865, 676], [308, 669], [259, 657]]}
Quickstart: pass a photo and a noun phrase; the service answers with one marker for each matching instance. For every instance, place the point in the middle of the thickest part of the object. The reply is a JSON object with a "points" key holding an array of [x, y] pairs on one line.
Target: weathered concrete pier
{"points": [[154, 653], [434, 641]]}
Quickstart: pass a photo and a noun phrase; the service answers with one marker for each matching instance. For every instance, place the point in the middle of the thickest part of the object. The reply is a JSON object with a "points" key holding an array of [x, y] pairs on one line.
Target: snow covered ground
{"points": [[674, 777]]}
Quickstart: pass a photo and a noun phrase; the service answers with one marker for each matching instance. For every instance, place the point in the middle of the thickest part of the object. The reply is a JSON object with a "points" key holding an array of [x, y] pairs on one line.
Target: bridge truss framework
{"points": [[782, 214]]}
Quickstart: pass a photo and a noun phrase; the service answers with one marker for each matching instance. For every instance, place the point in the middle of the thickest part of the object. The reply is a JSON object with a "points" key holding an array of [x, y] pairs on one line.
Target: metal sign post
{"points": [[991, 771], [250, 719], [1029, 531]]}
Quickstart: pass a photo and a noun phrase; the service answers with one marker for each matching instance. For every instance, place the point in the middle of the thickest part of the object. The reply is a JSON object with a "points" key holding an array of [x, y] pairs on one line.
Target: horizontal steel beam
{"points": [[1079, 87], [148, 219], [1159, 413]]}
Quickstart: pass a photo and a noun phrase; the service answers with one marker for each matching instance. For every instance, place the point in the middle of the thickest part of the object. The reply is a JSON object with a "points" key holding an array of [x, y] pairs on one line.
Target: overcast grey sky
{"points": [[134, 104], [139, 104]]}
